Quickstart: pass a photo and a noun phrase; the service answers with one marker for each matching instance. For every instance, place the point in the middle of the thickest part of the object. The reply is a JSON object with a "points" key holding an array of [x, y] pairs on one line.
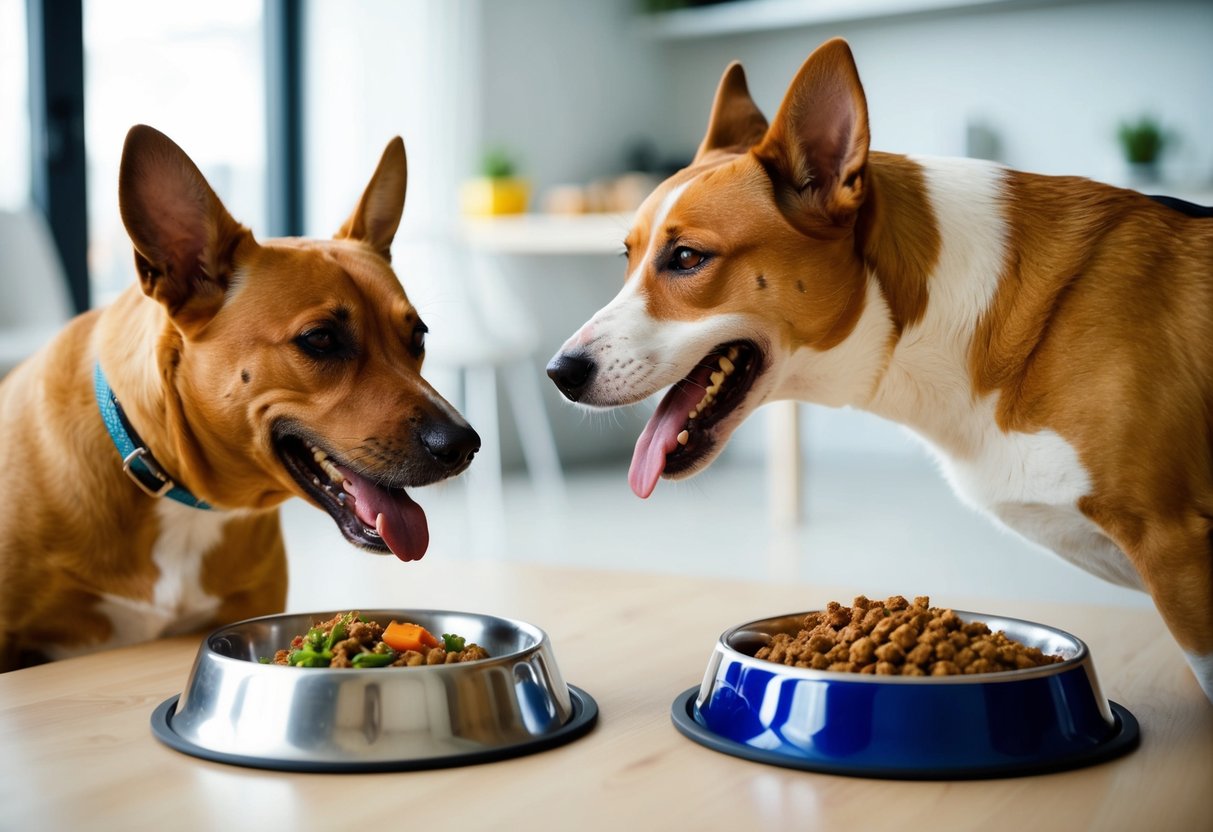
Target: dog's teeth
{"points": [[379, 524], [694, 414], [726, 365], [684, 437], [330, 469], [717, 377], [733, 353], [316, 481]]}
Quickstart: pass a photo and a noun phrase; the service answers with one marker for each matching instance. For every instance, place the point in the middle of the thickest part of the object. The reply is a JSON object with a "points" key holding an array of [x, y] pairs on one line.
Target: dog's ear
{"points": [[183, 237], [377, 216], [736, 123], [816, 151]]}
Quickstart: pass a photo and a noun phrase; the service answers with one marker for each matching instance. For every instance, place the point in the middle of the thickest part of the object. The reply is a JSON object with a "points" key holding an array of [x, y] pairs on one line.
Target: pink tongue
{"points": [[660, 435], [404, 527]]}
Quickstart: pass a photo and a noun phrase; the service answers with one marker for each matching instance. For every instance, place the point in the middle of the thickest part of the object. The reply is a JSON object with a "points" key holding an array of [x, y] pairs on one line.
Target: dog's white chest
{"points": [[178, 603], [1032, 483]]}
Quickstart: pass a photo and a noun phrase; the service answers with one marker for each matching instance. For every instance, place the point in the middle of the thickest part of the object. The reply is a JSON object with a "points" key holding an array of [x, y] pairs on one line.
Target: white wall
{"points": [[568, 84], [1053, 81]]}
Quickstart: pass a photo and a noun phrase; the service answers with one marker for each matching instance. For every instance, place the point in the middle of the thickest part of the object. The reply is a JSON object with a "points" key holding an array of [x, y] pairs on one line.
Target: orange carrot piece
{"points": [[407, 636]]}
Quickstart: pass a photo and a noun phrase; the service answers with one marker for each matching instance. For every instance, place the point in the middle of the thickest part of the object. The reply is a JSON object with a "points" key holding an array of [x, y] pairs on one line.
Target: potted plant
{"points": [[1143, 142], [498, 189]]}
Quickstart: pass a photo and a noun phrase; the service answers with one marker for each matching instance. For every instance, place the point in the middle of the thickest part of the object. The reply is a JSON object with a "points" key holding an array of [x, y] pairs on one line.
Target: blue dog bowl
{"points": [[1010, 723]]}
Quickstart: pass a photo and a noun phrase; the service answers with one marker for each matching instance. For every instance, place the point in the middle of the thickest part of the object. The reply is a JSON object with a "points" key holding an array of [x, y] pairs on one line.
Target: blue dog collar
{"points": [[137, 460]]}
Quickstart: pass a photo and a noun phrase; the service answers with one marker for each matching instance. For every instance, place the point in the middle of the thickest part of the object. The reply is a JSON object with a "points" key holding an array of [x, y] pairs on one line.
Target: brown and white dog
{"points": [[247, 372], [1049, 337]]}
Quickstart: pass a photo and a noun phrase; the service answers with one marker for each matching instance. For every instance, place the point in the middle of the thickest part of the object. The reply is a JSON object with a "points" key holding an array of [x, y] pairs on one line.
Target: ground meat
{"points": [[896, 637], [356, 639]]}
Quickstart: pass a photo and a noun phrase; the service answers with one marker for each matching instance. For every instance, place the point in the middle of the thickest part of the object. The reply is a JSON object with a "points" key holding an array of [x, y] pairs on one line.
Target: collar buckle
{"points": [[152, 467]]}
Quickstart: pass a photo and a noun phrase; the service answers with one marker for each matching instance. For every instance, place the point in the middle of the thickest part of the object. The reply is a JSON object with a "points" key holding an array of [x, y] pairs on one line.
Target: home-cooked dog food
{"points": [[350, 640], [895, 637]]}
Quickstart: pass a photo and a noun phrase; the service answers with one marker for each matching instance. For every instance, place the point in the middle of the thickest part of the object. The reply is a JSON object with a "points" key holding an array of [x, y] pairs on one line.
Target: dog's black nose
{"points": [[451, 445], [572, 373]]}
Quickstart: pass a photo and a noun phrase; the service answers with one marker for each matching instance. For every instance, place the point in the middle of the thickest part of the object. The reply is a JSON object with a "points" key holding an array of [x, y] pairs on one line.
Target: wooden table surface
{"points": [[78, 752]]}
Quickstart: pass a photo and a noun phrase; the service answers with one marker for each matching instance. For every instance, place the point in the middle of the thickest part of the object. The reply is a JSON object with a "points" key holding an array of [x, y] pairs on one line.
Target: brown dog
{"points": [[150, 443], [1048, 337]]}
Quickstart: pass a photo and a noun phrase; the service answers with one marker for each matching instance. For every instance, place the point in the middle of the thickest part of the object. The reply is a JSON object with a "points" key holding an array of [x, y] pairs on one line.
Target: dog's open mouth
{"points": [[372, 516], [681, 433]]}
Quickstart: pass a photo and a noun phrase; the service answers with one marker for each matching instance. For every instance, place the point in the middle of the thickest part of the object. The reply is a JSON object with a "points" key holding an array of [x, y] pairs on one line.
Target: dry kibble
{"points": [[897, 637], [862, 650], [837, 615], [882, 629], [891, 652], [920, 655], [821, 643], [904, 636]]}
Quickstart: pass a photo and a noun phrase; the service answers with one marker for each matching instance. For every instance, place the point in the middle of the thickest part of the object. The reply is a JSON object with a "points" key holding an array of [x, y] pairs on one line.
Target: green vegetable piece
{"points": [[373, 659], [453, 643], [315, 638], [336, 634], [265, 660], [311, 658], [382, 647]]}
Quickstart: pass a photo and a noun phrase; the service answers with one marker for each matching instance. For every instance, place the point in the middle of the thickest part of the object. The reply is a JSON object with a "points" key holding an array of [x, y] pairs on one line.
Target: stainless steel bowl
{"points": [[238, 710], [1028, 721]]}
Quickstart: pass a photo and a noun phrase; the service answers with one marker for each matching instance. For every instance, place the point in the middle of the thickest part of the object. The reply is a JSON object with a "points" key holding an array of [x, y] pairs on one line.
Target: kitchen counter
{"points": [[79, 752]]}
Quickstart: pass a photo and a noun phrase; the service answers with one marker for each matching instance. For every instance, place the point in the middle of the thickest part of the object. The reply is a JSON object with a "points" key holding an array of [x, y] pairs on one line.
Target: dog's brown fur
{"points": [[204, 355]]}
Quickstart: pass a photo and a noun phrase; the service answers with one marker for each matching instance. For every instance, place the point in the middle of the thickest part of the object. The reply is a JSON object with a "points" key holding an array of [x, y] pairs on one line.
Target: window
{"points": [[196, 72], [14, 107]]}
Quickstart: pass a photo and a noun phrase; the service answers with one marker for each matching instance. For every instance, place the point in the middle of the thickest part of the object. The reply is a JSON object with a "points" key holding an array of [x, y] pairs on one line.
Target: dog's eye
{"points": [[320, 341], [418, 343], [685, 259]]}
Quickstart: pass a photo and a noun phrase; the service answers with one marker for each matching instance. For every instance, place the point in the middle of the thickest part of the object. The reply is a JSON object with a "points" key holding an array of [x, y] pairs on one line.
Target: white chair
{"points": [[480, 334], [34, 301]]}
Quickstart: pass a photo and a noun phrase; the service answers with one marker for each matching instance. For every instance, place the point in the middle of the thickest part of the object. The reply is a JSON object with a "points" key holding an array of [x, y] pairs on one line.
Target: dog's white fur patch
{"points": [[178, 604], [1030, 482], [1202, 667]]}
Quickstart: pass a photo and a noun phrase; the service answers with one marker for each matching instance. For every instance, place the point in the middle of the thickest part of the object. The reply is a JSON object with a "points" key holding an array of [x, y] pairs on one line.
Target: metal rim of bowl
{"points": [[1081, 654], [538, 633]]}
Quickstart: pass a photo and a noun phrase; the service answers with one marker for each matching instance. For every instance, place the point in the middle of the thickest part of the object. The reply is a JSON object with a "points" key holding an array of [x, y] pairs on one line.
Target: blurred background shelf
{"points": [[743, 16], [548, 234]]}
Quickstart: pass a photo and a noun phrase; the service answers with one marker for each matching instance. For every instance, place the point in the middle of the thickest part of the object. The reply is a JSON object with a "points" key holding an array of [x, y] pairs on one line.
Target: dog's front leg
{"points": [[1175, 559], [254, 551]]}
